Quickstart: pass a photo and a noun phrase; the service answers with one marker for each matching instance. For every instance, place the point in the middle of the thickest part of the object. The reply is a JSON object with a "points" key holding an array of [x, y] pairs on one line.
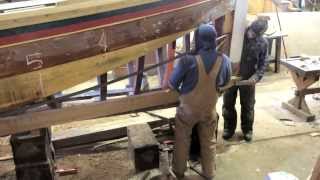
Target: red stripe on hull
{"points": [[86, 25]]}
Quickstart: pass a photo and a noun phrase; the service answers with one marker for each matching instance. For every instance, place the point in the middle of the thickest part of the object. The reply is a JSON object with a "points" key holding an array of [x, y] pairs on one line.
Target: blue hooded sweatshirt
{"points": [[185, 75]]}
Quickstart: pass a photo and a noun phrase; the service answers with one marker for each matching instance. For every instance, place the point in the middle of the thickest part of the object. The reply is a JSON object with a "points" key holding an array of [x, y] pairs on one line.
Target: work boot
{"points": [[247, 136], [227, 134]]}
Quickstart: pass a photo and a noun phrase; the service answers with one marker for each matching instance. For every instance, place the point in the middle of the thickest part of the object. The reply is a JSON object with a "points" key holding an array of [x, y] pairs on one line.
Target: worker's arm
{"points": [[225, 72], [178, 74], [224, 76], [262, 62]]}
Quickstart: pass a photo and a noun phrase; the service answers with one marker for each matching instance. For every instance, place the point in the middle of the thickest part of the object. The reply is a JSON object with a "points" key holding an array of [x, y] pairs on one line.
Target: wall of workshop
{"points": [[260, 6], [302, 29]]}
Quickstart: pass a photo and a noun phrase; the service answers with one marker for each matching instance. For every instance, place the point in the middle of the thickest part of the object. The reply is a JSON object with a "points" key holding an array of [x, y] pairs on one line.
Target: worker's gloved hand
{"points": [[253, 79]]}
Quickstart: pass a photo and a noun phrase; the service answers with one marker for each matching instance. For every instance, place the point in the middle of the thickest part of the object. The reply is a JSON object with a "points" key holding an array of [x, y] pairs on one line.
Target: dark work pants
{"points": [[247, 101]]}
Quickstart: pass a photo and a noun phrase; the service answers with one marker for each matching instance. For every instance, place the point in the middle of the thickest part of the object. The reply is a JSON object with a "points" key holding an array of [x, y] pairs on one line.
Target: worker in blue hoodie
{"points": [[197, 77], [252, 67]]}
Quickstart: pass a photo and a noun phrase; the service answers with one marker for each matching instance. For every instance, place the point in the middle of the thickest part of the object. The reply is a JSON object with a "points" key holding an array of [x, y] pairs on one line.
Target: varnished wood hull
{"points": [[39, 60]]}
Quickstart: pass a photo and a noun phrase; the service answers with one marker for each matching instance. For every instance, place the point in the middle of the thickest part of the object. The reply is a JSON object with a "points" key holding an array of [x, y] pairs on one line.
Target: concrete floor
{"points": [[277, 145]]}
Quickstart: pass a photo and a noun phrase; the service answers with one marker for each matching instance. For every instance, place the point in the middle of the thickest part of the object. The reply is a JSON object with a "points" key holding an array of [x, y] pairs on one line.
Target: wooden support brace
{"points": [[161, 54], [130, 71], [143, 147], [169, 68], [299, 112], [278, 55], [36, 120], [103, 79], [187, 42], [316, 171], [137, 88]]}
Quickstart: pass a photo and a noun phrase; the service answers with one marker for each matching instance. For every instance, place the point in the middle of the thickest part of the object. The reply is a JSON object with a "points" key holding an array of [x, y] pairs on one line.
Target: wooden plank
{"points": [[299, 112], [46, 82], [36, 120], [316, 171], [36, 85], [81, 136], [308, 91], [278, 54], [130, 66], [161, 55], [143, 147], [239, 28], [44, 50]]}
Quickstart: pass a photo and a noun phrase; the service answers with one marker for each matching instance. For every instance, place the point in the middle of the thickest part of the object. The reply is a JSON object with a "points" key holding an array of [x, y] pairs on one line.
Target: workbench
{"points": [[305, 72]]}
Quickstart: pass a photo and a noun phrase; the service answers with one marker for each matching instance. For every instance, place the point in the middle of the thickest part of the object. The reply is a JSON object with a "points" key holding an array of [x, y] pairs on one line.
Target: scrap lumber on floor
{"points": [[36, 120], [316, 171]]}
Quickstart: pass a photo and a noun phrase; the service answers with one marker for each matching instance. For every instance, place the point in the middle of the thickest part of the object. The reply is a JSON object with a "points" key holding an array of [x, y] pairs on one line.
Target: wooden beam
{"points": [[83, 136], [137, 88], [103, 79], [36, 120], [48, 81], [160, 57], [316, 171]]}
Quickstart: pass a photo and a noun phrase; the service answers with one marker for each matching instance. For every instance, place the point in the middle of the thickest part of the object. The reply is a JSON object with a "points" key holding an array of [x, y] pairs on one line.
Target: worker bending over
{"points": [[197, 77], [252, 67]]}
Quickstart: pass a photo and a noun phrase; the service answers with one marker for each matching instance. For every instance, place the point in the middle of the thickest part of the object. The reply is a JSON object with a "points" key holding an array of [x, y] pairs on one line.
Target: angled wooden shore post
{"points": [[140, 68], [103, 80]]}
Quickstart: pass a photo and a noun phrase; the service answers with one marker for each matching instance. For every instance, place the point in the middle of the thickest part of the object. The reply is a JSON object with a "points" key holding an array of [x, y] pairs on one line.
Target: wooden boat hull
{"points": [[39, 60]]}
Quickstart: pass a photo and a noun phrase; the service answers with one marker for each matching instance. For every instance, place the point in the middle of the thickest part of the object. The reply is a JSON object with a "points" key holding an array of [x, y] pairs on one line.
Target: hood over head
{"points": [[205, 37], [259, 26]]}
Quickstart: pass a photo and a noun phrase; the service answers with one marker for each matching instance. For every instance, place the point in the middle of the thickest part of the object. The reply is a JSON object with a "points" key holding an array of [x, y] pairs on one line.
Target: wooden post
{"points": [[35, 120], [130, 71], [219, 25], [137, 88], [169, 68], [278, 54], [316, 171], [161, 54], [187, 42], [103, 79]]}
